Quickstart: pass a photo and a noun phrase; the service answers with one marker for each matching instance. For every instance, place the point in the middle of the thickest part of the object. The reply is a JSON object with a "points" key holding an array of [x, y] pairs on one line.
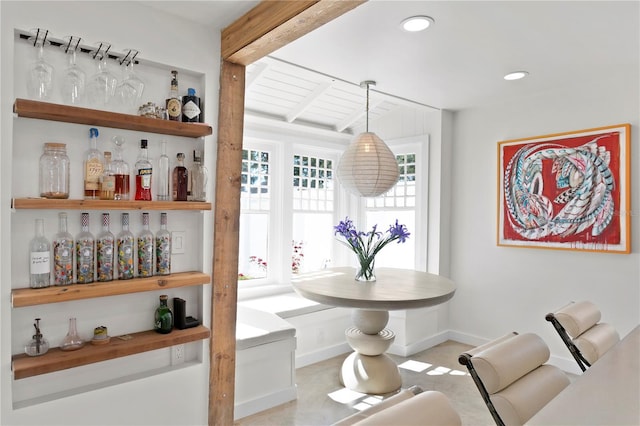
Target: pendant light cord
{"points": [[367, 108]]}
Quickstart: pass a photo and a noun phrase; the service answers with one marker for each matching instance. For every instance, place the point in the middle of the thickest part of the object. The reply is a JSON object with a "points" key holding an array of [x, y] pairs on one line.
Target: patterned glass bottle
{"points": [[163, 248], [145, 249], [125, 250], [105, 245], [85, 249], [62, 253]]}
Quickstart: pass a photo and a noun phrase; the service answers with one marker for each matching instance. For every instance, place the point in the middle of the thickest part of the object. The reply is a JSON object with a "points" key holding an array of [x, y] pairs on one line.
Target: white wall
{"points": [[175, 397], [501, 289]]}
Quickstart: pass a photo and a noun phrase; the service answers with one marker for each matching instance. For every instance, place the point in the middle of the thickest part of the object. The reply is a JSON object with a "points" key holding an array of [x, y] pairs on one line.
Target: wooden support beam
{"points": [[225, 250], [273, 24], [264, 29]]}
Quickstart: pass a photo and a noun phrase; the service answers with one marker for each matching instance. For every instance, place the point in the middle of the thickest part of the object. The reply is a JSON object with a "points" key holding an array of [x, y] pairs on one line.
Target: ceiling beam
{"points": [[273, 24], [306, 102]]}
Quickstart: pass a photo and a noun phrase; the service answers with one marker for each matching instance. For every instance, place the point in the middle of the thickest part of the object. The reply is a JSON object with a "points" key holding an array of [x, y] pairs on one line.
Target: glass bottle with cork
{"points": [[144, 171], [163, 247], [125, 250], [93, 167], [62, 253], [180, 179], [174, 105], [145, 249], [39, 258], [105, 249], [85, 250]]}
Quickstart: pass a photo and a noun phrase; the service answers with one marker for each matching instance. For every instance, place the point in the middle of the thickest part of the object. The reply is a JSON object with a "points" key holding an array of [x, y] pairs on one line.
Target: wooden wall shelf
{"points": [[40, 296], [93, 117], [69, 204], [24, 366]]}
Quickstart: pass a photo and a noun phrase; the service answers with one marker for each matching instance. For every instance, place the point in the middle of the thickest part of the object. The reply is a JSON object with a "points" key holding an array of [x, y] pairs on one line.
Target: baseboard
{"points": [[420, 345], [322, 354], [256, 405]]}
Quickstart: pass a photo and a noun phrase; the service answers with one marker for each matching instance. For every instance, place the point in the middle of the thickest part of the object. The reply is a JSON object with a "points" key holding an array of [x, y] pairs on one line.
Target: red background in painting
{"points": [[611, 234]]}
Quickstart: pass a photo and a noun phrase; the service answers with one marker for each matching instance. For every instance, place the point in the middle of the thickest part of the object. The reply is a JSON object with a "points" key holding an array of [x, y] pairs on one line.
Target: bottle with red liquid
{"points": [[144, 171], [180, 179]]}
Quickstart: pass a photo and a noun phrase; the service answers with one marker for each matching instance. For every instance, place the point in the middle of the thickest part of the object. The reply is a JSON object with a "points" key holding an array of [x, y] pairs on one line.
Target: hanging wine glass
{"points": [[102, 85], [40, 73], [73, 81], [129, 91]]}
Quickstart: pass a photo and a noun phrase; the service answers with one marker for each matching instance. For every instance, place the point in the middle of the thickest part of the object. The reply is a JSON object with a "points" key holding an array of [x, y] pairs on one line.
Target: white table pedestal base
{"points": [[369, 369]]}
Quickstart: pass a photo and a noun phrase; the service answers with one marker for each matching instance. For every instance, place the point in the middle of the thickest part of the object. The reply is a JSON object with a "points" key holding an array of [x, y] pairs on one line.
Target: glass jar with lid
{"points": [[54, 171]]}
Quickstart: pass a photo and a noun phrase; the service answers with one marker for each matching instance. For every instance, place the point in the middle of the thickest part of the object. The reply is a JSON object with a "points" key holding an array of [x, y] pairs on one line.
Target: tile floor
{"points": [[320, 392]]}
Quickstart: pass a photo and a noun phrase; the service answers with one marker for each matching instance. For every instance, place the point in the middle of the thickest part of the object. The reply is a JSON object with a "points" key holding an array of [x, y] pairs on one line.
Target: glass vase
{"points": [[366, 272], [72, 341]]}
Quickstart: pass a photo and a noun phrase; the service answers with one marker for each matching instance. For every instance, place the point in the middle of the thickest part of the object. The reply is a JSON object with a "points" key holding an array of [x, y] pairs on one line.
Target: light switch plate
{"points": [[178, 242]]}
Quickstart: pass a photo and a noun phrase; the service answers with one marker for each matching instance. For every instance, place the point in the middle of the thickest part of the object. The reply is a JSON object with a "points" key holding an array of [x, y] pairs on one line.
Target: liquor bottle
{"points": [[85, 249], [39, 258], [191, 107], [199, 176], [145, 249], [144, 170], [174, 105], [121, 171], [163, 316], [125, 250], [93, 167], [105, 249], [163, 247], [163, 174], [62, 253], [108, 179], [180, 179]]}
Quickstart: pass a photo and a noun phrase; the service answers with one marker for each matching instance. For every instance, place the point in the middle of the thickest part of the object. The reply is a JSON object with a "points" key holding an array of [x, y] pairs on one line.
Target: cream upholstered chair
{"points": [[512, 377], [409, 407], [579, 328]]}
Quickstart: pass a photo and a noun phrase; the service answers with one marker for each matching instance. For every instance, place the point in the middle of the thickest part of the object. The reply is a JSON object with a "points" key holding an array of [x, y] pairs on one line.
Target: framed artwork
{"points": [[566, 191]]}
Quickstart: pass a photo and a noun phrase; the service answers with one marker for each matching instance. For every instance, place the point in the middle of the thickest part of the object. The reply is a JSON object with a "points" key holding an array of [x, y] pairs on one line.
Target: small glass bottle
{"points": [[72, 340], [38, 344], [163, 174], [121, 171], [39, 258], [163, 247], [54, 171], [105, 244], [108, 179], [145, 249], [199, 177], [93, 167], [180, 179], [85, 249], [191, 107], [62, 253], [144, 170], [163, 317], [125, 250], [174, 105]]}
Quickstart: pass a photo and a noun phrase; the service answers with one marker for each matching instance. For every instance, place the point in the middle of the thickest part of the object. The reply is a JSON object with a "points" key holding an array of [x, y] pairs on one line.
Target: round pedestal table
{"points": [[369, 369]]}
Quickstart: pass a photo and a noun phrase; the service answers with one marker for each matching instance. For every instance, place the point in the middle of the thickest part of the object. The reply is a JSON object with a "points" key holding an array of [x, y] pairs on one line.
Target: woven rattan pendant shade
{"points": [[368, 167]]}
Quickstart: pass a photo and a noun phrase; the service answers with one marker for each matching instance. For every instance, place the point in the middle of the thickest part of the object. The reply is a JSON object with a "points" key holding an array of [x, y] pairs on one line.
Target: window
{"points": [[290, 202]]}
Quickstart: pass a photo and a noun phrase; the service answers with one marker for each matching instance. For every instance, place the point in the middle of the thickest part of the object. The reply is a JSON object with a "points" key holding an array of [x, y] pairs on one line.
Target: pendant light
{"points": [[368, 167]]}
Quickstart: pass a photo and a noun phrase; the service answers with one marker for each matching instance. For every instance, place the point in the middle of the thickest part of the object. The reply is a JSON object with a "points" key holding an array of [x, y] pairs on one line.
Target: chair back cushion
{"points": [[578, 317], [430, 408], [525, 397], [594, 342], [502, 364]]}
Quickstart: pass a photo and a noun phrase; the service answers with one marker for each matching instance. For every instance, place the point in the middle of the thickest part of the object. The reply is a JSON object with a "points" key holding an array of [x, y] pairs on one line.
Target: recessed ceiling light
{"points": [[417, 23], [517, 75]]}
